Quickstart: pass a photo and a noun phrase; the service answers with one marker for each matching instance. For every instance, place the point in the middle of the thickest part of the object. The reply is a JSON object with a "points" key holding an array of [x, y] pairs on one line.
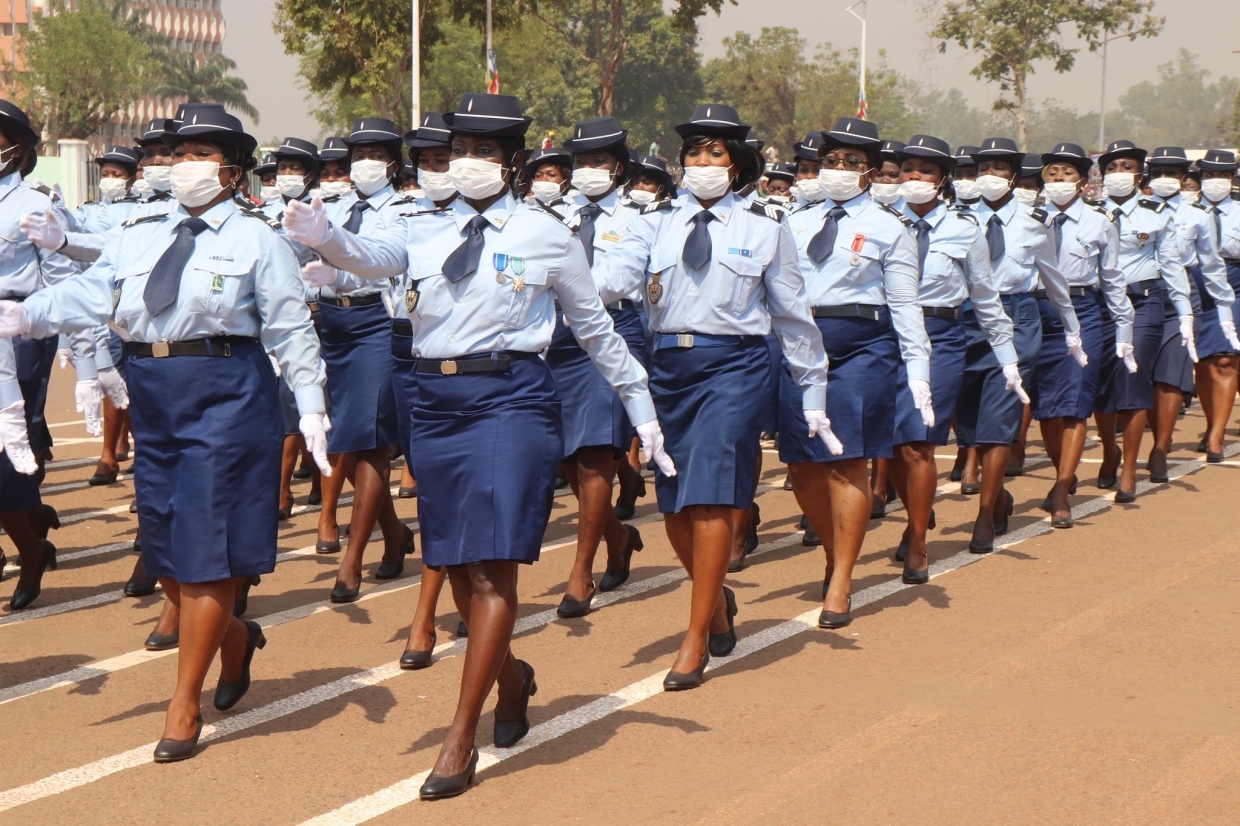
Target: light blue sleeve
{"points": [[1214, 271], [987, 305], [10, 390], [1171, 267], [83, 303], [902, 283], [793, 323], [1114, 285], [376, 256], [285, 327], [1056, 284]]}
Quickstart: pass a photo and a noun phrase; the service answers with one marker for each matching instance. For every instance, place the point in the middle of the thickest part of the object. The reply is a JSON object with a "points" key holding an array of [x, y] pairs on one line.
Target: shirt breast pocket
{"points": [[745, 275], [10, 239], [127, 301], [863, 263], [511, 301], [944, 264], [211, 287]]}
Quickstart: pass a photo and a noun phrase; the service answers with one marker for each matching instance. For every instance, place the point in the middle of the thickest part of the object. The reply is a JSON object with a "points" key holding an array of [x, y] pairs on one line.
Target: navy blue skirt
{"points": [[17, 490], [207, 441], [35, 360], [116, 347], [1061, 387], [404, 386], [948, 343], [863, 357], [1208, 332], [357, 348], [711, 403], [987, 412], [1118, 389], [776, 354], [592, 411], [489, 448], [1172, 365]]}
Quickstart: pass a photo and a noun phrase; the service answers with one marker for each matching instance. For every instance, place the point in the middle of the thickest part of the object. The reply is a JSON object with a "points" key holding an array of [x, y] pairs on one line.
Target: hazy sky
{"points": [[1207, 27]]}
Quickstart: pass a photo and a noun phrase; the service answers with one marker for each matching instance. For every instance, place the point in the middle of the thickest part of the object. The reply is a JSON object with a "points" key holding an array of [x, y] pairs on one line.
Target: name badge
{"points": [[610, 236]]}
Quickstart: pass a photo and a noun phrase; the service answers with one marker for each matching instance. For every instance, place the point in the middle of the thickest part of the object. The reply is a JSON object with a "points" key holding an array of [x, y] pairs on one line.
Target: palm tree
{"points": [[182, 76]]}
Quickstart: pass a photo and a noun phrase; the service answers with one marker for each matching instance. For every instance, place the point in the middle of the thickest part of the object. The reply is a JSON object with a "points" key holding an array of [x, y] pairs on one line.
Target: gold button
{"points": [[448, 368]]}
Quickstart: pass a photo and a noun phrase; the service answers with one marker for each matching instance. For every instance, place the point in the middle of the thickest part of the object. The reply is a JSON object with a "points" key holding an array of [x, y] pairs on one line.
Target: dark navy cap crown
{"points": [[654, 167], [496, 116], [298, 150], [373, 130], [124, 155], [268, 165], [209, 122], [334, 149], [1120, 149], [999, 148], [751, 140], [1169, 156], [1069, 153], [596, 133], [782, 172], [964, 155], [432, 131], [156, 130], [890, 149], [808, 148], [1218, 160], [853, 132], [714, 119], [16, 123], [930, 148], [1031, 164], [542, 157]]}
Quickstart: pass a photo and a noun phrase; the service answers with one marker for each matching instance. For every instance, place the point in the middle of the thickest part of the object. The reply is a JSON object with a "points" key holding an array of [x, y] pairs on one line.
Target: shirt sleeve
{"points": [[10, 390], [381, 254], [1214, 272], [987, 304], [286, 329], [623, 270], [1171, 267], [1115, 286], [793, 324], [81, 303], [901, 283], [1056, 284]]}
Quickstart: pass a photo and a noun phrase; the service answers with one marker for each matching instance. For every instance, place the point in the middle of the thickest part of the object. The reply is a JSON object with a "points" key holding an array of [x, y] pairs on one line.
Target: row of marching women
{"points": [[509, 320]]}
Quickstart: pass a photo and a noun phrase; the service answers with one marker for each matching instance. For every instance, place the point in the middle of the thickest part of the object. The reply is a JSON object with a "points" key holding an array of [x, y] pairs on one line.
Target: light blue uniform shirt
{"points": [[240, 280], [529, 261], [957, 270], [87, 246], [373, 220], [610, 227], [874, 262], [1229, 222], [1149, 248], [1029, 259], [751, 285], [1089, 257], [1199, 247], [103, 215]]}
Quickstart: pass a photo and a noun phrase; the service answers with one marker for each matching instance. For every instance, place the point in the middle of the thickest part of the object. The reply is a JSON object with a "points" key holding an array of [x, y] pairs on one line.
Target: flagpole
{"points": [[415, 66], [861, 108], [490, 54]]}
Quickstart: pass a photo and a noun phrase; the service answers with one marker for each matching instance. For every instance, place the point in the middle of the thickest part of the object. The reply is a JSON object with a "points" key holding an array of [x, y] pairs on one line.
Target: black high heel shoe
{"points": [[1161, 475], [721, 645], [23, 597], [412, 660], [174, 751], [751, 540], [1001, 523], [509, 732], [229, 694], [392, 570], [106, 478], [162, 642], [51, 522], [830, 619], [324, 546], [342, 594], [439, 787], [614, 579], [1046, 503], [1112, 479], [678, 681], [570, 608], [626, 502], [462, 630], [285, 514]]}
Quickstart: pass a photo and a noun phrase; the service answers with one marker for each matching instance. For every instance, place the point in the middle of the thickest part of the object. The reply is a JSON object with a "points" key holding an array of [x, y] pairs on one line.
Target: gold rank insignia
{"points": [[411, 299], [610, 236], [655, 290]]}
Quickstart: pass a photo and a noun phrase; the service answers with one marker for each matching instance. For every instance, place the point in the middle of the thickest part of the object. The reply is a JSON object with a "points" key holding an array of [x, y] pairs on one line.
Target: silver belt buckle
{"points": [[684, 340], [160, 350], [448, 368]]}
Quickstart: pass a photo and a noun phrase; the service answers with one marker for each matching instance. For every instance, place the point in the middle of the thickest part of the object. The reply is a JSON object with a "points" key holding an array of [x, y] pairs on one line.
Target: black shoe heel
{"points": [[462, 630], [830, 619], [343, 594], [570, 608], [509, 732], [25, 597], [721, 645], [439, 787], [162, 642], [614, 579], [677, 681], [412, 660], [174, 751], [392, 570], [229, 694]]}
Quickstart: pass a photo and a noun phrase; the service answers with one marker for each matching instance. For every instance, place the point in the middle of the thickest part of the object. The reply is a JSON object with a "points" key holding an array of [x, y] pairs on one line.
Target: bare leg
{"points": [[994, 461], [836, 497], [1133, 422], [331, 488], [972, 467], [288, 462], [1105, 423], [422, 629], [741, 518], [917, 476], [1072, 444], [112, 424], [372, 476], [1166, 411], [702, 538], [1222, 391], [1016, 457], [590, 472]]}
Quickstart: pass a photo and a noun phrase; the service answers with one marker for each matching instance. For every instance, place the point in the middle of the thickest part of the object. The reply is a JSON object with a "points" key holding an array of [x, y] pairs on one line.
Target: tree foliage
{"points": [[183, 76], [1181, 108]]}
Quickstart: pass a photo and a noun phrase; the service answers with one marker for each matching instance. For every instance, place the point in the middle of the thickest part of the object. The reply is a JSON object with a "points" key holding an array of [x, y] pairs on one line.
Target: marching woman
{"points": [[1149, 258], [549, 172], [779, 180], [483, 281], [1087, 246], [597, 433], [719, 276], [1023, 260], [954, 262], [653, 182], [860, 270], [201, 295], [807, 189], [964, 177]]}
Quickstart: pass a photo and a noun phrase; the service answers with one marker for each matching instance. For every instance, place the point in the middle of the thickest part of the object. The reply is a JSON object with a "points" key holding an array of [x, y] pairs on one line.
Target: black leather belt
{"points": [[1143, 288], [402, 327], [949, 313], [1073, 292], [218, 346], [346, 301], [496, 362], [622, 304], [1233, 262], [873, 312]]}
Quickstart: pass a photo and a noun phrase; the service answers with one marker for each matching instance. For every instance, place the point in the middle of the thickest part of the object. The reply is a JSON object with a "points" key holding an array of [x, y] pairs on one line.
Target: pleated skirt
{"points": [[357, 348]]}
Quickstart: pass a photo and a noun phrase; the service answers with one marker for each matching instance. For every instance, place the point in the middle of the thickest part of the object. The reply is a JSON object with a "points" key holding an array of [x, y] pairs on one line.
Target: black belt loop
{"points": [[871, 312]]}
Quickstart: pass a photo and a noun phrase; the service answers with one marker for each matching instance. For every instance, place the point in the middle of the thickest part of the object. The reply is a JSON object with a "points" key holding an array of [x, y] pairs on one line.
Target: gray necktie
{"points": [[585, 230], [165, 280], [923, 243], [464, 259], [1218, 225], [1057, 229], [823, 243], [697, 250], [994, 238], [354, 222]]}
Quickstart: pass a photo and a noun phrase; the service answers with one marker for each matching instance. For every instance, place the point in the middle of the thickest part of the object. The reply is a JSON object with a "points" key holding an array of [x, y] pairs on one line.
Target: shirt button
{"points": [[451, 338], [693, 289]]}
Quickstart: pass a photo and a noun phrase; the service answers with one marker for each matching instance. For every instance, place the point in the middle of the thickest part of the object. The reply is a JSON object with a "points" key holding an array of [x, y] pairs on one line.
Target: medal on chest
{"points": [[654, 290], [411, 297], [1142, 238], [858, 244]]}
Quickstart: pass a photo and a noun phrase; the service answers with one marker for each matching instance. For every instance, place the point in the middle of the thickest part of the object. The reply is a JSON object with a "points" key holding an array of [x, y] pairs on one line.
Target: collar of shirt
{"points": [[1073, 210], [9, 183], [1005, 212], [1126, 207], [1174, 201], [934, 217], [215, 216], [608, 203], [497, 214], [380, 198], [723, 210], [851, 206]]}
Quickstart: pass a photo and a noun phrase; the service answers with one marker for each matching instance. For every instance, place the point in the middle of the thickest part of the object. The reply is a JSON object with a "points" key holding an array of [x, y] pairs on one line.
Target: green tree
{"points": [[948, 115], [1011, 36], [1181, 108], [183, 75], [78, 66]]}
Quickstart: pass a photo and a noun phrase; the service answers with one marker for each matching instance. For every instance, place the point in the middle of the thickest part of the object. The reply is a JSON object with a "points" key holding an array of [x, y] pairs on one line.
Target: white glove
{"points": [[13, 438], [1229, 330], [65, 354], [114, 387], [923, 400], [1011, 373], [306, 223], [13, 319], [1125, 352], [314, 427], [1076, 349], [1187, 337], [43, 230], [318, 274], [88, 395], [820, 426], [651, 436], [275, 365]]}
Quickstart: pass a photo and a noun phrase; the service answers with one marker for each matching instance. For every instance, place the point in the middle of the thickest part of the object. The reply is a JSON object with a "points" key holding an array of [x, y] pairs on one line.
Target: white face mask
{"points": [[1165, 187], [1061, 193], [369, 176], [1028, 197], [291, 186], [476, 178], [437, 186], [707, 182], [918, 192], [967, 190], [885, 193], [993, 187], [195, 183], [142, 189], [1216, 189], [641, 196], [781, 199], [1119, 184], [269, 193], [840, 184], [1190, 197], [545, 191], [592, 183], [335, 188], [113, 189], [809, 191], [159, 177]]}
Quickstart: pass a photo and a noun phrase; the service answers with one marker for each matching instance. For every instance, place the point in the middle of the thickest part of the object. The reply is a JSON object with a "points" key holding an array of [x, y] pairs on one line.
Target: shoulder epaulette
{"points": [[159, 196], [1101, 210], [1157, 206], [329, 199], [904, 219], [144, 220], [128, 199], [94, 203], [1199, 205], [262, 216], [657, 206], [963, 212], [423, 212], [1041, 216], [775, 213], [408, 199]]}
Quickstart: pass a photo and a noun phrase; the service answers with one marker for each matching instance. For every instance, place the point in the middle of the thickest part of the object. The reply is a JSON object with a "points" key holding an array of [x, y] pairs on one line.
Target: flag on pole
{"points": [[862, 111], [492, 74]]}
